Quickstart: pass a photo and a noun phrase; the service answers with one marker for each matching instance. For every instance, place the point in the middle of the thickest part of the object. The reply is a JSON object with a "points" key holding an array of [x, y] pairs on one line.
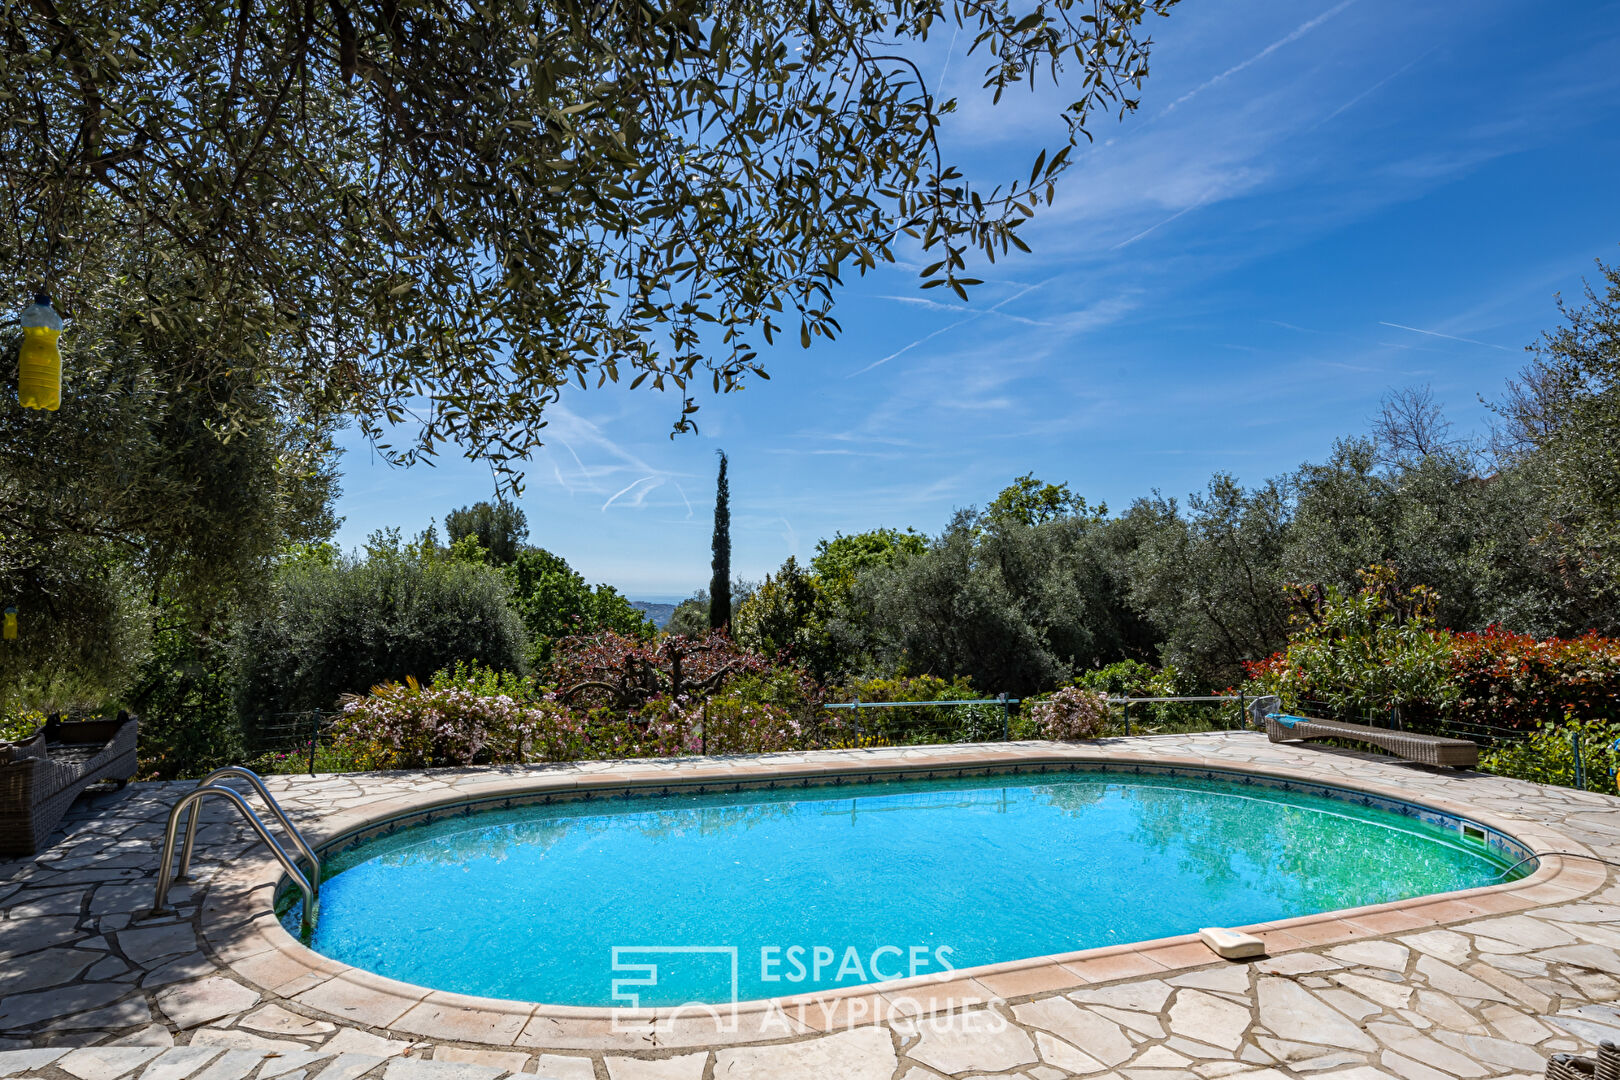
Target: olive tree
{"points": [[434, 215]]}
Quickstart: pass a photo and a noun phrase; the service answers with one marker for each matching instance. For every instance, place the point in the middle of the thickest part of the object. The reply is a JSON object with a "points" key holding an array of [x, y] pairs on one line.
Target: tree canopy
{"points": [[436, 214], [500, 529]]}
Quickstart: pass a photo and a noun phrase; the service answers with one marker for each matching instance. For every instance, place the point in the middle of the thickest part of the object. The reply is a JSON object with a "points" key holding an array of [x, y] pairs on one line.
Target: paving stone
{"points": [[1408, 1069], [179, 1062], [558, 1067], [1521, 930], [1145, 1023], [1515, 1025], [349, 1066], [1102, 1038], [1448, 980], [1390, 955], [1229, 978], [51, 967], [1509, 1055], [274, 1020], [1188, 1048], [974, 1039], [510, 1060], [1356, 1008], [144, 944], [243, 1040], [106, 1062], [1365, 1072], [1420, 1047], [1206, 1018], [193, 1004], [26, 936], [1391, 995], [352, 1041], [681, 1067], [1292, 1013], [108, 967], [1589, 956], [17, 1062], [192, 966], [862, 1054], [1161, 1057], [1445, 1012], [284, 1063], [410, 1068], [1448, 945], [150, 1035], [35, 1010], [1148, 996], [232, 1065], [1336, 1060], [1300, 963], [1059, 1054]]}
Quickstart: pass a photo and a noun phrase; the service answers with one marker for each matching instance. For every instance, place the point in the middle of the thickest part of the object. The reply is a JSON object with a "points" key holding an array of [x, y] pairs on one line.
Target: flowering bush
{"points": [[1380, 648], [1515, 681], [1070, 713], [453, 722], [722, 725], [611, 669]]}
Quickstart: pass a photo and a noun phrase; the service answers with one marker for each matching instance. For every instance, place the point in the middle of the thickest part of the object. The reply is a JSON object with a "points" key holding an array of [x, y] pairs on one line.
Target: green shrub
{"points": [[555, 602], [1132, 678], [923, 724], [186, 699], [336, 625], [1547, 755]]}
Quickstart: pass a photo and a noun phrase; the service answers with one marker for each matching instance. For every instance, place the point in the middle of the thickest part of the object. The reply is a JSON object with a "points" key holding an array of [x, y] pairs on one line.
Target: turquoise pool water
{"points": [[815, 888]]}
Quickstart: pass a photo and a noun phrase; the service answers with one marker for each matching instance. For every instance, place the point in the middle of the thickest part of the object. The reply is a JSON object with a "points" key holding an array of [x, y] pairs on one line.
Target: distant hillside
{"points": [[658, 613]]}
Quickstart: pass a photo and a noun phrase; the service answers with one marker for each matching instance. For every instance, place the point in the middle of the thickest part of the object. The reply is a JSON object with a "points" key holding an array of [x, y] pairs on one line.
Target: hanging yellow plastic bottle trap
{"points": [[39, 362]]}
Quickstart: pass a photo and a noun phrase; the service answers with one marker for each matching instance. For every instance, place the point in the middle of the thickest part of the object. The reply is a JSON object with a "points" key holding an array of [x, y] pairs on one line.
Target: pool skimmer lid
{"points": [[1231, 945]]}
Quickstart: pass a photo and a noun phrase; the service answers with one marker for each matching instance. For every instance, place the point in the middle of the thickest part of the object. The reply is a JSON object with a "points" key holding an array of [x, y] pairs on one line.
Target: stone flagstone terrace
{"points": [[93, 988]]}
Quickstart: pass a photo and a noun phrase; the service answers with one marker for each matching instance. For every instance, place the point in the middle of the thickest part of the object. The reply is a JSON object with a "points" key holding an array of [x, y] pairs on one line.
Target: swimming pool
{"points": [[717, 897]]}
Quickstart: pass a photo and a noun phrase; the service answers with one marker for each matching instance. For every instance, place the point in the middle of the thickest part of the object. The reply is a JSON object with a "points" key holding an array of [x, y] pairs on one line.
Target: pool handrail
{"points": [[257, 783], [288, 863]]}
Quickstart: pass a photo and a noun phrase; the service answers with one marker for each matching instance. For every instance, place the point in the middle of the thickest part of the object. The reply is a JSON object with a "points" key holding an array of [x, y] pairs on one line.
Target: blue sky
{"points": [[1317, 202]]}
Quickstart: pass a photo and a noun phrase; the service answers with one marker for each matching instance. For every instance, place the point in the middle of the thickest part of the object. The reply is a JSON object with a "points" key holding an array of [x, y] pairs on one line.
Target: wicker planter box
{"points": [[40, 778]]}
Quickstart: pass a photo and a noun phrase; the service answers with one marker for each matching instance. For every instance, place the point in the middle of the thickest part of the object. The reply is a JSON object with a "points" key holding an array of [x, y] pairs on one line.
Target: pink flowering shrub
{"points": [[722, 725], [408, 726], [1070, 713]]}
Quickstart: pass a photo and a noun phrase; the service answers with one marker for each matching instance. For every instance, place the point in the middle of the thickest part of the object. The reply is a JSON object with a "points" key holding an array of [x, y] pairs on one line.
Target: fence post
{"points": [[857, 718], [1580, 766], [1006, 715], [314, 737], [1243, 711], [1125, 709]]}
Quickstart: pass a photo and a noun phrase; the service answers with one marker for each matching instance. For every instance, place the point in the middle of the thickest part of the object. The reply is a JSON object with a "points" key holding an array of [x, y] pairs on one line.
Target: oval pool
{"points": [[782, 892]]}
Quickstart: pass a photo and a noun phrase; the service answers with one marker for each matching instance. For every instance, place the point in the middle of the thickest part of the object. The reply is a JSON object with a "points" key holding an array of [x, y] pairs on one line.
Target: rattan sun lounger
{"points": [[1426, 749], [40, 777]]}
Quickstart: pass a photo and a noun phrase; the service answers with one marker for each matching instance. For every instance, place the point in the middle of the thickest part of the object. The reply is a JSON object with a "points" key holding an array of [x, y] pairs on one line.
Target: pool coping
{"points": [[240, 926]]}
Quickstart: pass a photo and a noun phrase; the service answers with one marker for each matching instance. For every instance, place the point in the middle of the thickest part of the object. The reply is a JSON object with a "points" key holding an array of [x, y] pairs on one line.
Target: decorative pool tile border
{"points": [[239, 923]]}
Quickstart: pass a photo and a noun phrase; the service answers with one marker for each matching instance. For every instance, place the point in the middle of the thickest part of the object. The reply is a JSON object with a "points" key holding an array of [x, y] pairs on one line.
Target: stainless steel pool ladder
{"points": [[309, 885]]}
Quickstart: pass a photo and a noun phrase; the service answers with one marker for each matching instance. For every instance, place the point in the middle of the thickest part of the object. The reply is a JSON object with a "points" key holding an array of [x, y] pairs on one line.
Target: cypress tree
{"points": [[720, 585]]}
